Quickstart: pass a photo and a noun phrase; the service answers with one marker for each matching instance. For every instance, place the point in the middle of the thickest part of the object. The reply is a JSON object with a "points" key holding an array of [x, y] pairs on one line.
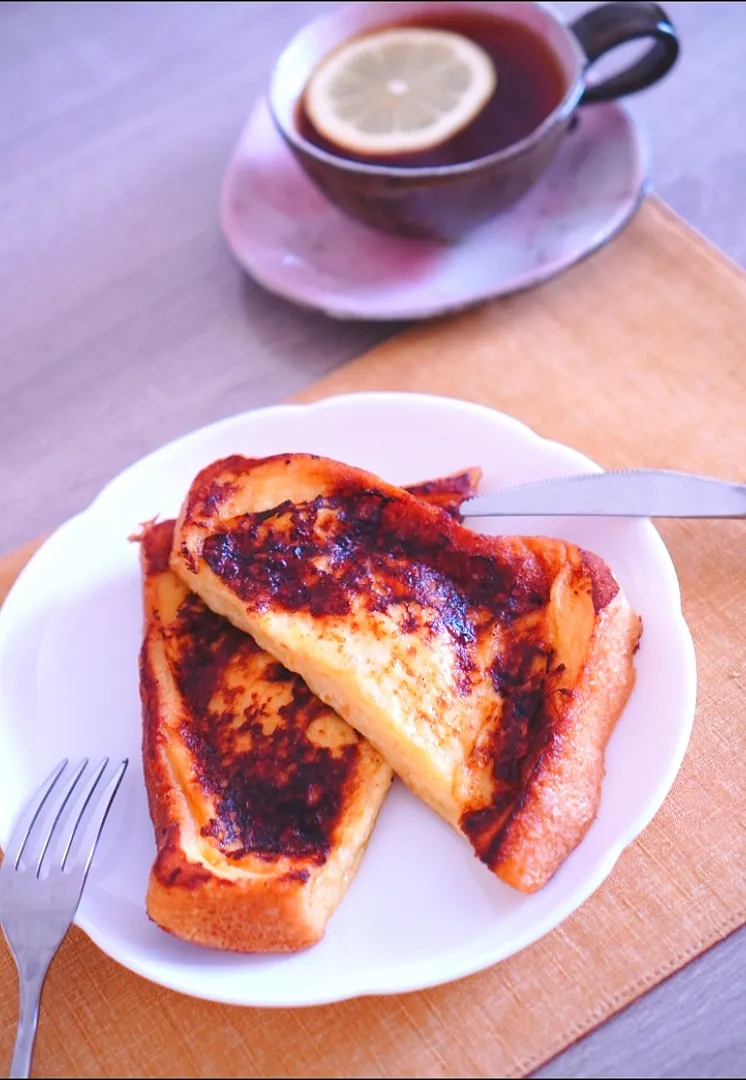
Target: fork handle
{"points": [[30, 986]]}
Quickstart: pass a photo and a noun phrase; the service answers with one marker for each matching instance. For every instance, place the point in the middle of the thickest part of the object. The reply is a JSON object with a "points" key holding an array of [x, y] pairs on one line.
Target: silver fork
{"points": [[42, 878]]}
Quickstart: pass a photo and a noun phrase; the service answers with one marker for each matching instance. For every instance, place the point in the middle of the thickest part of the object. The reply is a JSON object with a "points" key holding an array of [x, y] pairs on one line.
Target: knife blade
{"points": [[628, 493]]}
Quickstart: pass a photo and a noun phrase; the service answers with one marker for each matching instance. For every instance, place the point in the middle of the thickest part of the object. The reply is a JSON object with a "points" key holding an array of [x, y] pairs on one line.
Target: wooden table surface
{"points": [[124, 323]]}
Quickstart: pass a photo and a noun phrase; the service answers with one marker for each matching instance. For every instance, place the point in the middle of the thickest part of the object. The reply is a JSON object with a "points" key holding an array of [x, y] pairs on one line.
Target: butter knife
{"points": [[628, 493]]}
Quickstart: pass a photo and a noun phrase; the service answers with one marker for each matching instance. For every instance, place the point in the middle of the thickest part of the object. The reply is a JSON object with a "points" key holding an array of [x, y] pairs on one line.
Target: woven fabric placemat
{"points": [[635, 357]]}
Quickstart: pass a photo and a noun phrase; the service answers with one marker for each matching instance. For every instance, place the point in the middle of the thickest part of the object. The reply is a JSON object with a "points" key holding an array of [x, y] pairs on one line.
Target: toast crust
{"points": [[488, 671]]}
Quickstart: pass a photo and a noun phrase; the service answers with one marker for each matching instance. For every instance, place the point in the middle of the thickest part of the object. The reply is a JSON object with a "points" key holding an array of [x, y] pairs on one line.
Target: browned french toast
{"points": [[488, 671], [262, 798]]}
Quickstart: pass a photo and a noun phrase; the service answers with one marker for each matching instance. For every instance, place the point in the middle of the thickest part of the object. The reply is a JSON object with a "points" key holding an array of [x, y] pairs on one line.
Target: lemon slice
{"points": [[399, 91]]}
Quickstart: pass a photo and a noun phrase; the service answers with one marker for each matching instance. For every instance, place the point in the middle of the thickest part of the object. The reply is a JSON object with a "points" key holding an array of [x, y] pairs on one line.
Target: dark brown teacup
{"points": [[444, 201]]}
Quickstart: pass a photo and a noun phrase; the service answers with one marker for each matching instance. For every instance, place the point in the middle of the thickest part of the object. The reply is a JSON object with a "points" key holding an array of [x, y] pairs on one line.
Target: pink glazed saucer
{"points": [[285, 233]]}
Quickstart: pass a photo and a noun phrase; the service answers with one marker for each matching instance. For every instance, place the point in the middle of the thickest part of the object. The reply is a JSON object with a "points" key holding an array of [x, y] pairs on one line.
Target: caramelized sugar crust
{"points": [[254, 733]]}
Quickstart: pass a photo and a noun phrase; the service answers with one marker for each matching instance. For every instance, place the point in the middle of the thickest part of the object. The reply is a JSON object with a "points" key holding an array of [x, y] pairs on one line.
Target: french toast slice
{"points": [[488, 671], [262, 798]]}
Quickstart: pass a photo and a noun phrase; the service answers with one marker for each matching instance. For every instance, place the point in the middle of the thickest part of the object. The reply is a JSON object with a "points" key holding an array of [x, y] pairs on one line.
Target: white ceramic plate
{"points": [[289, 237], [422, 909]]}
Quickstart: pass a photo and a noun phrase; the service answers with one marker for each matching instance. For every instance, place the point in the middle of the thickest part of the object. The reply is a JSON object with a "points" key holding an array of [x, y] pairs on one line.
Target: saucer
{"points": [[295, 243]]}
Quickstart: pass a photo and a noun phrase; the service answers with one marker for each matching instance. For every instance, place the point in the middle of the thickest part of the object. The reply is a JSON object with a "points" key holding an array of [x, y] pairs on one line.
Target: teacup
{"points": [[447, 201]]}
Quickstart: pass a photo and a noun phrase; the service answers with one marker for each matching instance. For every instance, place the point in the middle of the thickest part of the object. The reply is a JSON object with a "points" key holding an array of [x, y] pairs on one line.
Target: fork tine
{"points": [[94, 814], [60, 810], [20, 835], [88, 795]]}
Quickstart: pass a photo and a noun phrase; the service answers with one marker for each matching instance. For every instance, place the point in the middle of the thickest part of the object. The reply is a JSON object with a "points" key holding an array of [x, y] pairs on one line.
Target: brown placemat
{"points": [[638, 356]]}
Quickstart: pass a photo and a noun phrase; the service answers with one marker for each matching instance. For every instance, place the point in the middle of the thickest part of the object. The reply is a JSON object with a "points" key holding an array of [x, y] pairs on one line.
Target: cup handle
{"points": [[605, 27]]}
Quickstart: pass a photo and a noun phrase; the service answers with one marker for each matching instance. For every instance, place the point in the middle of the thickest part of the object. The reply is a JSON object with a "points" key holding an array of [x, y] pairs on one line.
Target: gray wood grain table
{"points": [[124, 323]]}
